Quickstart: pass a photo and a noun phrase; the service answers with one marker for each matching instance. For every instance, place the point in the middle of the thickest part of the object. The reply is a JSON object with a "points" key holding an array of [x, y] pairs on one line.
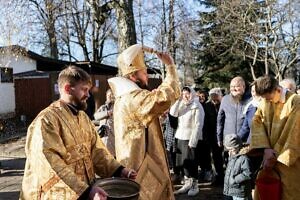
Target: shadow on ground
{"points": [[12, 173], [13, 163], [9, 195]]}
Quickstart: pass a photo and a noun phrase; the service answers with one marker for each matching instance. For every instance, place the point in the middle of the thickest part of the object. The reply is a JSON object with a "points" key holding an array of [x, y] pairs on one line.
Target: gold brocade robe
{"points": [[277, 126], [135, 110], [63, 154]]}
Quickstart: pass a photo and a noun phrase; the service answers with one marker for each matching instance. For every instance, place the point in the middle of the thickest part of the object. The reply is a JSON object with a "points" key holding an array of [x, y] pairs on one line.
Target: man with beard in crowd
{"points": [[63, 149], [139, 141], [202, 94]]}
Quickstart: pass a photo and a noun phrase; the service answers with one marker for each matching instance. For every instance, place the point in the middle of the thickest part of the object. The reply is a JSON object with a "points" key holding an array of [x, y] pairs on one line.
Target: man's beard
{"points": [[237, 97], [142, 85], [80, 104]]}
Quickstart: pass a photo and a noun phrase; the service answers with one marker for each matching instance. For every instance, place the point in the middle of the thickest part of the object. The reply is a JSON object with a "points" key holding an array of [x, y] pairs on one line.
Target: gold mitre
{"points": [[132, 59]]}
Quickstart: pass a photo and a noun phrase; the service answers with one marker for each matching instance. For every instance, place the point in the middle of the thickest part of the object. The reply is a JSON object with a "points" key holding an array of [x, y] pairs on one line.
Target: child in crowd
{"points": [[237, 181]]}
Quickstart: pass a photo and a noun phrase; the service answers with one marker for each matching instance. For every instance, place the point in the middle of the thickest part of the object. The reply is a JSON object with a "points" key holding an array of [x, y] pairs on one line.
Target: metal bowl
{"points": [[119, 188]]}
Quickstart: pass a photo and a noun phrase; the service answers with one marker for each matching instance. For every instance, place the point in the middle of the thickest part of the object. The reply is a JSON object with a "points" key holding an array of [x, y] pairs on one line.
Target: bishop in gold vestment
{"points": [[138, 136], [277, 126]]}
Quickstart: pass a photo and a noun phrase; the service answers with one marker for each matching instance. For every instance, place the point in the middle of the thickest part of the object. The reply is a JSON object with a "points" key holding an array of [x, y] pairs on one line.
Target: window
{"points": [[6, 75]]}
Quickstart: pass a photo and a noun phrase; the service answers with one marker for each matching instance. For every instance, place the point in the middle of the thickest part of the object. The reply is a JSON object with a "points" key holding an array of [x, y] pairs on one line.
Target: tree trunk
{"points": [[95, 32], [140, 21], [52, 41], [126, 25], [51, 30], [171, 33], [163, 36]]}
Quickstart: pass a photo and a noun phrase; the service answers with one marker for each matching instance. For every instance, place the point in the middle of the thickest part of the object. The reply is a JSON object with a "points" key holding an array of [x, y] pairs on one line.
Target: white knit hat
{"points": [[215, 91]]}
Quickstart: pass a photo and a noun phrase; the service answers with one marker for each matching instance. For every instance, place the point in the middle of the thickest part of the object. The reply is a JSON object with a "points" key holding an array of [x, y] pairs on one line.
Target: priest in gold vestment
{"points": [[276, 133], [138, 136], [63, 149]]}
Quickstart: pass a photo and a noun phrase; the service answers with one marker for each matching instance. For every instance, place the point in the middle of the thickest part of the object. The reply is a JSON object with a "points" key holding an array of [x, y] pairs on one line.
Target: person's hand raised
{"points": [[165, 58]]}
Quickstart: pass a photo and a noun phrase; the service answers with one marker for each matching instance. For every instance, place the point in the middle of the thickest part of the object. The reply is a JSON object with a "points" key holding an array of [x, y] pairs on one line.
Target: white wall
{"points": [[7, 98], [19, 63]]}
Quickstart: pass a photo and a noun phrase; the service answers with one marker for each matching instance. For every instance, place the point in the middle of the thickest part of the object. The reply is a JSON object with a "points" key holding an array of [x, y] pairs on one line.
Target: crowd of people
{"points": [[207, 136], [232, 140]]}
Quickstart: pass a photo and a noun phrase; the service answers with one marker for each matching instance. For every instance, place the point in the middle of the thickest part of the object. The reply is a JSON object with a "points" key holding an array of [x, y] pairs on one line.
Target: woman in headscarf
{"points": [[190, 115]]}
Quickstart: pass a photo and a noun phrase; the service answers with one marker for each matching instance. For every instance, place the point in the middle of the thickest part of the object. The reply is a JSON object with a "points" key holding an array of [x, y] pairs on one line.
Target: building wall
{"points": [[19, 64], [7, 97]]}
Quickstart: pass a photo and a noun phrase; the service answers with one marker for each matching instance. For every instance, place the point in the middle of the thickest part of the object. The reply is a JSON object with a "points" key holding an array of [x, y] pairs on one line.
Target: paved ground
{"points": [[12, 158], [207, 192]]}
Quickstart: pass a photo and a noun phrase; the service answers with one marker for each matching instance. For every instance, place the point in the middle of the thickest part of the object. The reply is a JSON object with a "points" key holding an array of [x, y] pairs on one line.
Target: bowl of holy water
{"points": [[119, 188]]}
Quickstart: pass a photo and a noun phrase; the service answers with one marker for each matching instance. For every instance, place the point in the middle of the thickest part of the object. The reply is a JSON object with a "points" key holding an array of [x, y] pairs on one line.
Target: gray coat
{"points": [[230, 116], [237, 181]]}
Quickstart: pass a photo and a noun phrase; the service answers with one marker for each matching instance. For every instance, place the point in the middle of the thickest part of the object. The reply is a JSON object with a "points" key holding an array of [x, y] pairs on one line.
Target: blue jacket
{"points": [[237, 181], [230, 116], [245, 133]]}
